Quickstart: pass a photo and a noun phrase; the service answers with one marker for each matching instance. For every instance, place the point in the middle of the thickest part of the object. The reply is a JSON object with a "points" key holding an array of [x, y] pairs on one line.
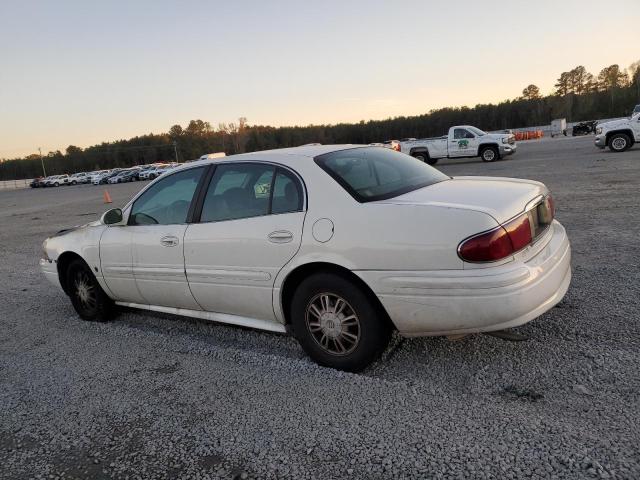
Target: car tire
{"points": [[489, 154], [56, 184], [74, 183], [87, 297], [619, 142], [337, 324], [424, 157]]}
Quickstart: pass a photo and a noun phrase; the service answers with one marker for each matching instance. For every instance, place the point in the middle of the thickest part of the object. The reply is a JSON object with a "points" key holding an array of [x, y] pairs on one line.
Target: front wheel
{"points": [[619, 142], [87, 297], [489, 154], [337, 324]]}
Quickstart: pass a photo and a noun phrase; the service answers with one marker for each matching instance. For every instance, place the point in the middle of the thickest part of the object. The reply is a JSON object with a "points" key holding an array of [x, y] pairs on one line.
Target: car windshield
{"points": [[377, 173], [477, 131]]}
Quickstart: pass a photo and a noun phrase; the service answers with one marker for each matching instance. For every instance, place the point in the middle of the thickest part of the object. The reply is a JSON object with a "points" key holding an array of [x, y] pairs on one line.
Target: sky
{"points": [[83, 72]]}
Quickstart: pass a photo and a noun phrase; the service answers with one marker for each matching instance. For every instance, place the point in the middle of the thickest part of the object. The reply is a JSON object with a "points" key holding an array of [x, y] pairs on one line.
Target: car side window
{"points": [[287, 193], [238, 191], [460, 133], [167, 202]]}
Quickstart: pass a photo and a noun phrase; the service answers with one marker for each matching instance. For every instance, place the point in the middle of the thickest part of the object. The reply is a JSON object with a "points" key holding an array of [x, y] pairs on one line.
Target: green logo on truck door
{"points": [[463, 143]]}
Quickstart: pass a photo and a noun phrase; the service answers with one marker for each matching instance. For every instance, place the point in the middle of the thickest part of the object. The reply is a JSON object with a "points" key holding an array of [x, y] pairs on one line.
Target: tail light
{"points": [[498, 243], [511, 237], [396, 147]]}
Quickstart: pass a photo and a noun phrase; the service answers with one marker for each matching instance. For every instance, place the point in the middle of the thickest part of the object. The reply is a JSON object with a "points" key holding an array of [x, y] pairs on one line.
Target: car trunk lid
{"points": [[502, 198]]}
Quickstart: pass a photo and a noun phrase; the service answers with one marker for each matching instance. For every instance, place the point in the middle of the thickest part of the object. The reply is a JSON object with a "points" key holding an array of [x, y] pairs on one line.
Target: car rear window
{"points": [[377, 173]]}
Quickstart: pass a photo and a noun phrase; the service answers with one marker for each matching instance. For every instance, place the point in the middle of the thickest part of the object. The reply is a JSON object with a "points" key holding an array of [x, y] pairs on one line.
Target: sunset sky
{"points": [[83, 72]]}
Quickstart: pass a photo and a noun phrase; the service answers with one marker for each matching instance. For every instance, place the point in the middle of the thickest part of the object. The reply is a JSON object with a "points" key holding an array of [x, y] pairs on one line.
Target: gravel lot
{"points": [[157, 396]]}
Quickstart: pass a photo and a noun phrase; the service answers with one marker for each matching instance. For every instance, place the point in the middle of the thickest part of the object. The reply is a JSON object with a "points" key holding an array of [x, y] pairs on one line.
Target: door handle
{"points": [[280, 236], [169, 241]]}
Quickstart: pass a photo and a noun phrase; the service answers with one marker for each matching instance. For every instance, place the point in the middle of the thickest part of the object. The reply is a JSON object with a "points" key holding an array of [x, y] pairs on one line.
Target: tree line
{"points": [[578, 96]]}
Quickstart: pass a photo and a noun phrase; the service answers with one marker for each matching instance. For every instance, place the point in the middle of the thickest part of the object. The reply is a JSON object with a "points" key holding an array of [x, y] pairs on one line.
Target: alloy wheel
{"points": [[85, 291], [619, 143], [333, 323], [488, 155]]}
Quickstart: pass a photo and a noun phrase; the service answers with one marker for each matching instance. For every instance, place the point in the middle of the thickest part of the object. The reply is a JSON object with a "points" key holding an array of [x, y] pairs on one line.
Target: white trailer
{"points": [[559, 127]]}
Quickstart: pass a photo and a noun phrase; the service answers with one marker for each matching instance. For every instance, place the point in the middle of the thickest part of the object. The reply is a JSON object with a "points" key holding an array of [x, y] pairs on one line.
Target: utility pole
{"points": [[175, 150], [44, 172]]}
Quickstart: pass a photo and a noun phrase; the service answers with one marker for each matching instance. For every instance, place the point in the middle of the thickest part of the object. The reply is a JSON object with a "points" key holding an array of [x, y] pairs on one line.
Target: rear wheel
{"points": [[619, 142], [424, 157], [337, 325], [87, 296], [489, 154]]}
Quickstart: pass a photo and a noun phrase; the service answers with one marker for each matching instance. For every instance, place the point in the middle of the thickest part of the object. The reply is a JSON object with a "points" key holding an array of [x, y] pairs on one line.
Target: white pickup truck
{"points": [[618, 135], [462, 141]]}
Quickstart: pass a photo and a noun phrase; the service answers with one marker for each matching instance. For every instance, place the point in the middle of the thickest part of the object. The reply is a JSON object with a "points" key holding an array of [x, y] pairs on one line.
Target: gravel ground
{"points": [[157, 396]]}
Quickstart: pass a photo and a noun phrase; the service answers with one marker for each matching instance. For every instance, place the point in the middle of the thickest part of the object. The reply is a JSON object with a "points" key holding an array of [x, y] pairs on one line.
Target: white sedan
{"points": [[338, 245]]}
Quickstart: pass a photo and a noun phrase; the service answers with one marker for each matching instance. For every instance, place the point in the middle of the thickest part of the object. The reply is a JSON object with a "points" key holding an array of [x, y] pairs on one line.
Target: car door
{"points": [[464, 143], [157, 224], [250, 226], [116, 264]]}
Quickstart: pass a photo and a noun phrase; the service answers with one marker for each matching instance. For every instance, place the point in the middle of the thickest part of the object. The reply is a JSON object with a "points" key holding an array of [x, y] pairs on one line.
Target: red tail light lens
{"points": [[490, 246], [396, 147], [519, 231], [499, 243]]}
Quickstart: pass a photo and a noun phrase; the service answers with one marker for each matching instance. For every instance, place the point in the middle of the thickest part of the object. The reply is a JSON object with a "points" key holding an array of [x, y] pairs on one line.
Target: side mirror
{"points": [[112, 217]]}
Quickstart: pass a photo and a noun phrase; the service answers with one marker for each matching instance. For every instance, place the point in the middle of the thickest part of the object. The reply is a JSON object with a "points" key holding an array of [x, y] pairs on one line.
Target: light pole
{"points": [[44, 172], [175, 150]]}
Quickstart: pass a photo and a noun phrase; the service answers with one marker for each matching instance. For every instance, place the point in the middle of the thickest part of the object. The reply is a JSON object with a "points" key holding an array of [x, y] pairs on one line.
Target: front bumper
{"points": [[508, 149], [50, 270], [600, 141], [448, 302]]}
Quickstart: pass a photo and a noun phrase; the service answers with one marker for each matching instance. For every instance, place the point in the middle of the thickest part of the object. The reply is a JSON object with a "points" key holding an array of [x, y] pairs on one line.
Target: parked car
{"points": [[152, 173], [636, 109], [96, 176], [104, 177], [618, 135], [77, 178], [56, 180], [338, 245], [584, 128], [462, 141], [37, 182], [124, 176]]}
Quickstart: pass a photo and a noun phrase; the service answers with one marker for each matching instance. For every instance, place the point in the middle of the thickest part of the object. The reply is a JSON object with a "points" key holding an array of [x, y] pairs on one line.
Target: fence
{"points": [[14, 184]]}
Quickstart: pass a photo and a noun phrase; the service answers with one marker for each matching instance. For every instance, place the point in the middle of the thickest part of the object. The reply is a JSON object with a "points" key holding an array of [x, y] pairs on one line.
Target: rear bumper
{"points": [[450, 302]]}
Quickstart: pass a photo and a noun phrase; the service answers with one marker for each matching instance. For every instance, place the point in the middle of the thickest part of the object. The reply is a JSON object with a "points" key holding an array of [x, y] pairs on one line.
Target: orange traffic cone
{"points": [[107, 197]]}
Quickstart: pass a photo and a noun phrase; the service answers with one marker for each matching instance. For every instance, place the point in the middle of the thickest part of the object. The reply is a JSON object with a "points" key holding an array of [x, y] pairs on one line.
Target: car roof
{"points": [[283, 155]]}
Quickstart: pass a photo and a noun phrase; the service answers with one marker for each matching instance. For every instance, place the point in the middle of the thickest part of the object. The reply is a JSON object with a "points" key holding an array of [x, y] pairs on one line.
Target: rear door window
{"points": [[238, 191]]}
